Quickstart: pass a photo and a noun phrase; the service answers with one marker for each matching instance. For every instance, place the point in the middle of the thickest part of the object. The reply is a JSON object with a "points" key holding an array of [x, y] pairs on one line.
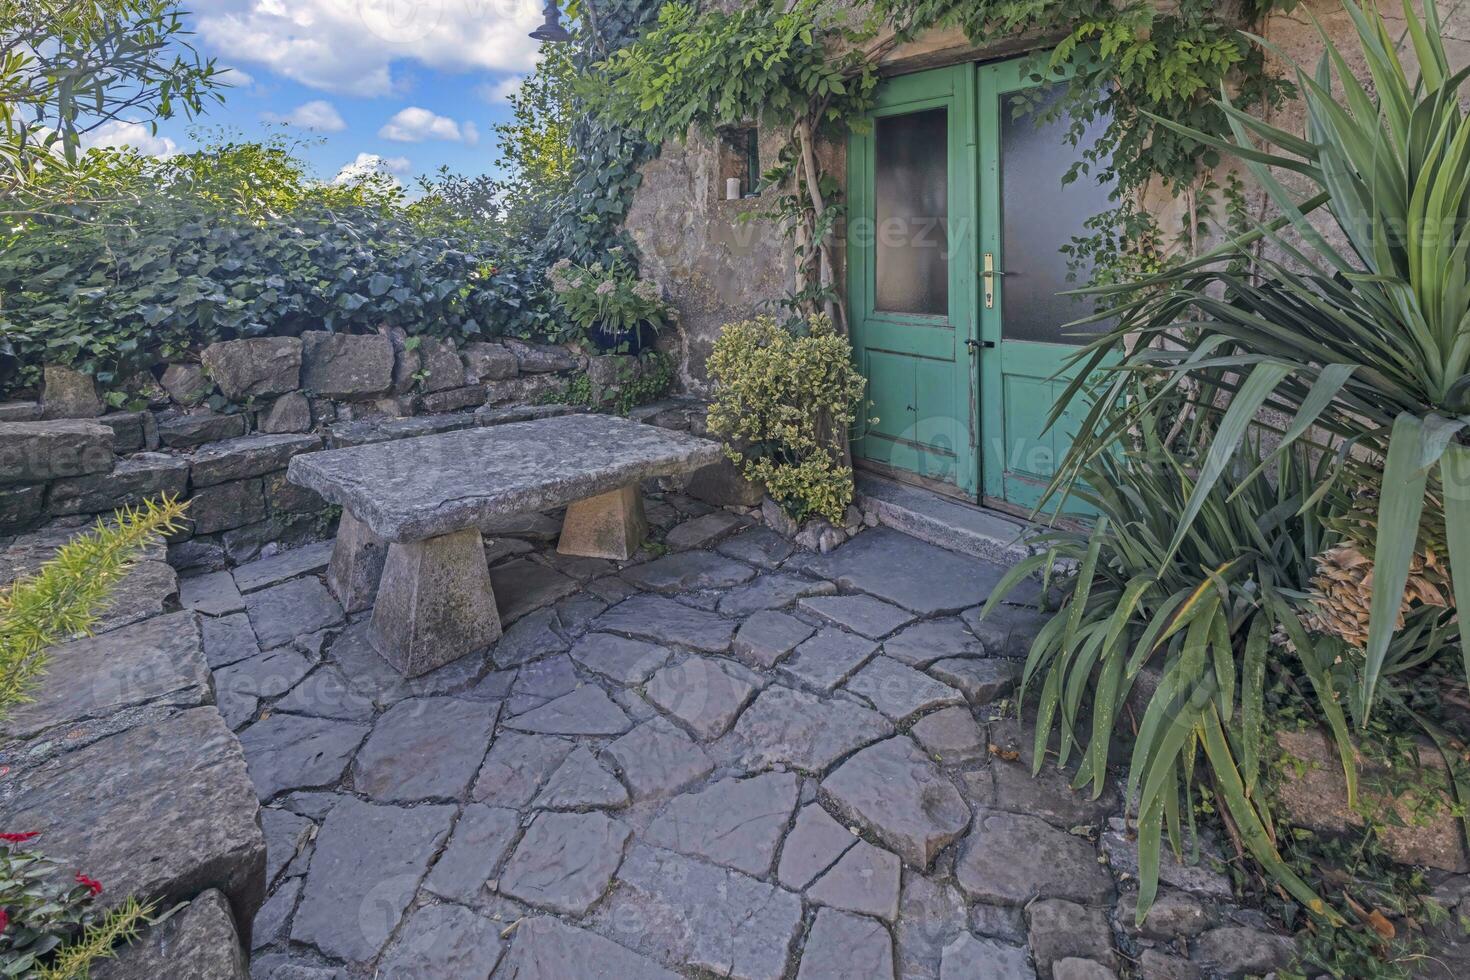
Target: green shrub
{"points": [[171, 274], [784, 401], [49, 928], [609, 296]]}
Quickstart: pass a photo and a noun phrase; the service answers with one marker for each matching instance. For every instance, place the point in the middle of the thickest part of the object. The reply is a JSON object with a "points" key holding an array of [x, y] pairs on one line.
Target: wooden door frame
{"points": [[954, 89]]}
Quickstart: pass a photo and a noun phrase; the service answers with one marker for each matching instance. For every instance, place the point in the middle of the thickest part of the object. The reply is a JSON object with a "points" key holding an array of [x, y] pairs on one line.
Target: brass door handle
{"points": [[989, 272]]}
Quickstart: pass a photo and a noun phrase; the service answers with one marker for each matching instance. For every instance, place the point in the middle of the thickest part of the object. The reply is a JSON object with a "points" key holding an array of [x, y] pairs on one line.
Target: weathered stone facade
{"points": [[717, 269]]}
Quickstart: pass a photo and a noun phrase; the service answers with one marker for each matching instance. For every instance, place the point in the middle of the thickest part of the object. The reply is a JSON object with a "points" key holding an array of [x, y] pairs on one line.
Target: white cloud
{"points": [[414, 124], [368, 164], [237, 77], [117, 132], [350, 45], [502, 90], [318, 115]]}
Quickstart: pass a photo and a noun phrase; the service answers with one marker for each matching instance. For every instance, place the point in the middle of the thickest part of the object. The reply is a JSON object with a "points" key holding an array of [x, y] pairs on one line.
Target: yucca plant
{"points": [[1208, 613], [1363, 348]]}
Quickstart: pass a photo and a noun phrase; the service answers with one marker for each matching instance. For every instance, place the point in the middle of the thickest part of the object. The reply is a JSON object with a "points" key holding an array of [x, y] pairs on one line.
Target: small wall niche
{"points": [[739, 162]]}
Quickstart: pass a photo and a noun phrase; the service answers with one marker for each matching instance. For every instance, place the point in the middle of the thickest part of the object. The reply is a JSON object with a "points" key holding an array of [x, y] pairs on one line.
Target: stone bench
{"points": [[409, 543]]}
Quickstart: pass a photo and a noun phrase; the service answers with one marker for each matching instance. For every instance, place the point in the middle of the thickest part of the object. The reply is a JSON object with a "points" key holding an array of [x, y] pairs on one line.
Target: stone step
{"points": [[944, 522]]}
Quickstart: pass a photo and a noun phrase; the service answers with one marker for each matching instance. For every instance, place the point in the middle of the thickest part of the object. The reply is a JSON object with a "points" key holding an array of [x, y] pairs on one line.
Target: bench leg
{"points": [[609, 525], [357, 564], [434, 603]]}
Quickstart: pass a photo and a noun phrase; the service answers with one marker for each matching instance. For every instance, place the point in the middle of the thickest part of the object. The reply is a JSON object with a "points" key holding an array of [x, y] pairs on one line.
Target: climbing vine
{"points": [[609, 152], [808, 70]]}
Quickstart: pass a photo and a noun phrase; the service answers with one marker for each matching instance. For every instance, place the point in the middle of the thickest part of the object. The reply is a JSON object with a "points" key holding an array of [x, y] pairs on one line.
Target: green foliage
{"points": [[793, 67], [610, 296], [647, 379], [1365, 350], [764, 61], [608, 154], [1209, 616], [1129, 65], [536, 151], [48, 927], [65, 597], [67, 68], [238, 242], [783, 401]]}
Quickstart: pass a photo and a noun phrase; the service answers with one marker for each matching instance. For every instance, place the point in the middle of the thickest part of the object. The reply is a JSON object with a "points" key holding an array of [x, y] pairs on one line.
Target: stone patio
{"points": [[732, 759]]}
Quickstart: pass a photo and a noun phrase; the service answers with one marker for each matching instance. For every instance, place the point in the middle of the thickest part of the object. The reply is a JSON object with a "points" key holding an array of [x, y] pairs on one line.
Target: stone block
{"points": [[528, 388], [722, 485], [453, 399], [439, 365], [339, 365], [357, 564], [161, 812], [185, 430], [21, 411], [1411, 833], [434, 603], [254, 367], [247, 456], [134, 479], [158, 663], [609, 525], [32, 452], [69, 394], [227, 505], [283, 496], [488, 362], [199, 942], [289, 413], [611, 369], [131, 431], [540, 358], [365, 431], [186, 384], [21, 506]]}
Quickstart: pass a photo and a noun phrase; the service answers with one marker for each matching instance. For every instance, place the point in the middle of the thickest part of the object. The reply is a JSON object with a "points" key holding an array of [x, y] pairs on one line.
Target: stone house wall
{"points": [[219, 431], [717, 268]]}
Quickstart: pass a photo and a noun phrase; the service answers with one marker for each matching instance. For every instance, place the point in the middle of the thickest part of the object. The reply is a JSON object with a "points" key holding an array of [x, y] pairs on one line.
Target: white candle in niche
{"points": [[732, 188]]}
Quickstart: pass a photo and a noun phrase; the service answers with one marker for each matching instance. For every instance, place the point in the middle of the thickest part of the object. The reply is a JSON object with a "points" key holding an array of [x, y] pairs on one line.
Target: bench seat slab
{"points": [[434, 603], [609, 525]]}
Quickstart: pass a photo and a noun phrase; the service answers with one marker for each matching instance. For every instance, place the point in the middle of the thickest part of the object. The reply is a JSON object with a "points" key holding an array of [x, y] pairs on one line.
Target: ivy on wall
{"points": [[609, 154], [809, 70]]}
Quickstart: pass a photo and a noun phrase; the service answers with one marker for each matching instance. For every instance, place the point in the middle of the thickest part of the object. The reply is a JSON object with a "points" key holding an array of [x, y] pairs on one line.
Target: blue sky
{"points": [[404, 85]]}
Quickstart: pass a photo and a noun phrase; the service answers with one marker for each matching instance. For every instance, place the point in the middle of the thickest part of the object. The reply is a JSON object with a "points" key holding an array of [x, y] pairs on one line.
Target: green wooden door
{"points": [[1026, 216], [963, 364], [911, 281]]}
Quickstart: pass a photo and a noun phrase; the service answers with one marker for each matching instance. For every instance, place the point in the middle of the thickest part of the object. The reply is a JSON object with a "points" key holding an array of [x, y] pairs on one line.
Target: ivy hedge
{"points": [[112, 293]]}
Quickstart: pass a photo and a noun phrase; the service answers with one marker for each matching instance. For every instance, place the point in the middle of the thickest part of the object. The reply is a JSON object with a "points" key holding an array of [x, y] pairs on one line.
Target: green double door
{"points": [[958, 216]]}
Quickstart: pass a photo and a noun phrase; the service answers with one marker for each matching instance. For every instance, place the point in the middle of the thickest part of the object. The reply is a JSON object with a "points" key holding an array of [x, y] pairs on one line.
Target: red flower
{"points": [[93, 885], [19, 838], [4, 920]]}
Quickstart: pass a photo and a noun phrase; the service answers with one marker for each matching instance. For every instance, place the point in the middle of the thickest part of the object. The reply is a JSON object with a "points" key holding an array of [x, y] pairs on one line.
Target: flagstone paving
{"points": [[726, 757]]}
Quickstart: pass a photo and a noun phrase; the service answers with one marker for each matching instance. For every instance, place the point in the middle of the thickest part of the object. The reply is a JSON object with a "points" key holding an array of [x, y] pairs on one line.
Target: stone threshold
{"points": [[943, 521]]}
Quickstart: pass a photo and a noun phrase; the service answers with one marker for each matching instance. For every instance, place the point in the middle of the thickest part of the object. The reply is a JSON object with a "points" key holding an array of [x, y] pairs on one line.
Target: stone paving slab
{"points": [[159, 662], [680, 759], [162, 812], [367, 866], [663, 905]]}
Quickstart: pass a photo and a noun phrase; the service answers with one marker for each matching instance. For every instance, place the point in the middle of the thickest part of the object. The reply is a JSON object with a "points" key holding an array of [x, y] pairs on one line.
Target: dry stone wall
{"points": [[219, 430]]}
